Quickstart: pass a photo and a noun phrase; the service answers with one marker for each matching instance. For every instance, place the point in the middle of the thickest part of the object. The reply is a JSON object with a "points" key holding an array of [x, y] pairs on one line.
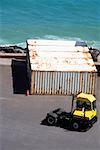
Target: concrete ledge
{"points": [[13, 55], [5, 61], [97, 63]]}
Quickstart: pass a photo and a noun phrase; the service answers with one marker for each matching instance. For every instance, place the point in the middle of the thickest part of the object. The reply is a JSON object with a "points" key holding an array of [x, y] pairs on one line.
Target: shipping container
{"points": [[60, 67]]}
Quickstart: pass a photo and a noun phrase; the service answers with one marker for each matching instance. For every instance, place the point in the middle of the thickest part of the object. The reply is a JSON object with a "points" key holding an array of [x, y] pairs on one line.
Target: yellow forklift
{"points": [[83, 116]]}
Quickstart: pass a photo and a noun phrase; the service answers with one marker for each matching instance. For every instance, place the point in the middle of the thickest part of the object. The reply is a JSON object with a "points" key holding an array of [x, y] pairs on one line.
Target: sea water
{"points": [[49, 19]]}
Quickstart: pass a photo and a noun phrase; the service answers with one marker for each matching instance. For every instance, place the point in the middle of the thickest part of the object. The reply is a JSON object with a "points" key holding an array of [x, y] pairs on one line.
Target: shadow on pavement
{"points": [[19, 76], [63, 125]]}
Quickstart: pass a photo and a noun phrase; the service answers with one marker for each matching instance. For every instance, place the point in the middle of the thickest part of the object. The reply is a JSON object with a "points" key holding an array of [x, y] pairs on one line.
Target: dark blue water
{"points": [[49, 19]]}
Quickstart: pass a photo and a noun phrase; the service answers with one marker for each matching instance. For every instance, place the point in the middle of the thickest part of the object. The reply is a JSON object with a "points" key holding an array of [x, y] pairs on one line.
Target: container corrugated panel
{"points": [[60, 67], [62, 83], [53, 55]]}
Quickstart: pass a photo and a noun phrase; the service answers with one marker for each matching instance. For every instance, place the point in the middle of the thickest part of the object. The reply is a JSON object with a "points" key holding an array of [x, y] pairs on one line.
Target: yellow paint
{"points": [[88, 114], [86, 97]]}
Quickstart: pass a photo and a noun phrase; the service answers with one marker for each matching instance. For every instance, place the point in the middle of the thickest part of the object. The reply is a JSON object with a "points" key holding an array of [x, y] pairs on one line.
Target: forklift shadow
{"points": [[19, 76], [63, 126]]}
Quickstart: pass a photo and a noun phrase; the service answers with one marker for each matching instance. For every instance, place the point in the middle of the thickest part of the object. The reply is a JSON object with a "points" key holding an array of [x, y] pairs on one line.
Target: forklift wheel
{"points": [[75, 125], [51, 120]]}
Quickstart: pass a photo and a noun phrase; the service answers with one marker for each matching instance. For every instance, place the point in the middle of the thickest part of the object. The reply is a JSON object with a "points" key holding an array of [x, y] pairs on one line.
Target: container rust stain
{"points": [[60, 67], [62, 83]]}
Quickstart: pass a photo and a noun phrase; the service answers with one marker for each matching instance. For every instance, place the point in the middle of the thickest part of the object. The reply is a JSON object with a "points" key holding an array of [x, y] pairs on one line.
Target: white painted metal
{"points": [[53, 55], [60, 67]]}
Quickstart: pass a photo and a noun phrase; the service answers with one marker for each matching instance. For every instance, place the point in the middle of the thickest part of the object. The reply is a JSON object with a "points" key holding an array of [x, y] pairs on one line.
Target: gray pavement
{"points": [[20, 118]]}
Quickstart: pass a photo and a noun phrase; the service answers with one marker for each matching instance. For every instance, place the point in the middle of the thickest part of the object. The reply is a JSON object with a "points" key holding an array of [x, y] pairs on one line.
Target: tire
{"points": [[51, 120], [75, 125]]}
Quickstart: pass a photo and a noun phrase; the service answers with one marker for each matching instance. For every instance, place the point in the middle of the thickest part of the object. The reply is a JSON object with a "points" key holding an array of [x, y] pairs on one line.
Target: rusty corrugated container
{"points": [[60, 67]]}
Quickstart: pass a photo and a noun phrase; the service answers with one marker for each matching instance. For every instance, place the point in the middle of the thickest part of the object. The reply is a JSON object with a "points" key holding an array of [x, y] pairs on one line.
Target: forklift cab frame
{"points": [[85, 103]]}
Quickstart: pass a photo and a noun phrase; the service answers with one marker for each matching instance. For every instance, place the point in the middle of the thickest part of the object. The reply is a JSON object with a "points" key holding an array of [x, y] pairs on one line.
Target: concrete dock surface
{"points": [[20, 118]]}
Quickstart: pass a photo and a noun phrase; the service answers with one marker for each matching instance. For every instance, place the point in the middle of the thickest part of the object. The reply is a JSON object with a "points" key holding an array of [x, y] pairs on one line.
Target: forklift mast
{"points": [[72, 105]]}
